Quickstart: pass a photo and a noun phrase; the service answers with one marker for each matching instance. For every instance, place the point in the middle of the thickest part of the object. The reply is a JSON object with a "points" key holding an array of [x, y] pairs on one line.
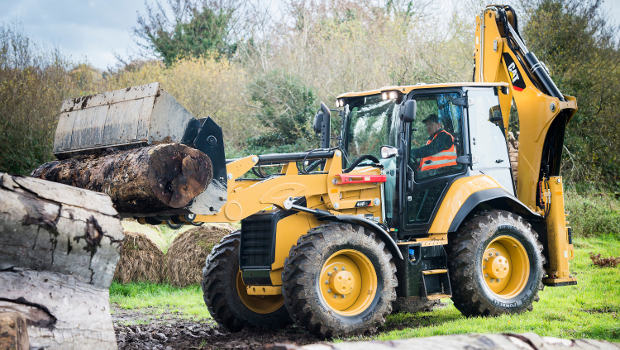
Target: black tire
{"points": [[302, 273], [471, 293], [414, 304], [221, 295]]}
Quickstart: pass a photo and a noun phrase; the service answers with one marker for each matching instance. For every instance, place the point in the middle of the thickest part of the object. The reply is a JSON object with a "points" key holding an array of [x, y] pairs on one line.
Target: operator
{"points": [[439, 150]]}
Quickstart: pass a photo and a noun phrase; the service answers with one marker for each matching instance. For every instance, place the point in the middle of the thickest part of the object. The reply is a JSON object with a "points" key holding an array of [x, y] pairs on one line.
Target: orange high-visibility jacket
{"points": [[444, 158]]}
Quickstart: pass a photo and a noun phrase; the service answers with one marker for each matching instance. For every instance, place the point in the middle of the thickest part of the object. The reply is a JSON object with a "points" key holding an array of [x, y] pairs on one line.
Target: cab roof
{"points": [[405, 89]]}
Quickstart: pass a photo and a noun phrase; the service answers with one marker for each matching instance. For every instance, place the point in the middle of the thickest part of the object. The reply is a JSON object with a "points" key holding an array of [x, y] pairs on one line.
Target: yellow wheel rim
{"points": [[505, 266], [348, 282], [261, 304]]}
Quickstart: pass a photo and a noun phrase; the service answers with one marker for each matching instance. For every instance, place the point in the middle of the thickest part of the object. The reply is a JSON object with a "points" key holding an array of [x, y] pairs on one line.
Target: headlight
{"points": [[390, 95]]}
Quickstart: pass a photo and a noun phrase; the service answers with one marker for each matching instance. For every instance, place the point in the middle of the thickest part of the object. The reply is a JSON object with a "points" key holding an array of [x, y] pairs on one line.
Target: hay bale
{"points": [[141, 260], [187, 254]]}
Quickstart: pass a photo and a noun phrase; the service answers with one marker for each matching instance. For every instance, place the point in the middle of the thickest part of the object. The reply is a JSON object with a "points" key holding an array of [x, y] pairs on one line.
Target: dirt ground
{"points": [[142, 329], [148, 328]]}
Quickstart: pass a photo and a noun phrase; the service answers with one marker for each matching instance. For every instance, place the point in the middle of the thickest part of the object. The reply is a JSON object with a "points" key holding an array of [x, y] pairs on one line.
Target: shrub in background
{"points": [[32, 87], [284, 107], [593, 214]]}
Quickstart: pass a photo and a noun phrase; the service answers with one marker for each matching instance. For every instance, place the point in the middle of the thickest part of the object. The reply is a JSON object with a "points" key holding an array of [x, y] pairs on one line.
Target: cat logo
{"points": [[512, 70], [515, 76]]}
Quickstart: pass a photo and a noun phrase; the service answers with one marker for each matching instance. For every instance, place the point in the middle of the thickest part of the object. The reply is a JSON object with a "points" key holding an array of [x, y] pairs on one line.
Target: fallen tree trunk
{"points": [[505, 341], [144, 180], [59, 246]]}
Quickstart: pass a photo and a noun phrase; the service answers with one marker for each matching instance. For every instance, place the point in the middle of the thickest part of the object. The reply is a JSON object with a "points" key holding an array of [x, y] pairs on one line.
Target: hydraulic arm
{"points": [[542, 112]]}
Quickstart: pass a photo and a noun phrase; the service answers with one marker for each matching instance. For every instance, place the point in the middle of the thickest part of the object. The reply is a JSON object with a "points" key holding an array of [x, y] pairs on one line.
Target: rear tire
{"points": [[225, 296], [495, 263], [328, 299]]}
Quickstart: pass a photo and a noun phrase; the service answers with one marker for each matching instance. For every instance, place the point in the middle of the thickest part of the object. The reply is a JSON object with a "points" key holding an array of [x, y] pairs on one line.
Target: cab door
{"points": [[423, 190], [487, 141]]}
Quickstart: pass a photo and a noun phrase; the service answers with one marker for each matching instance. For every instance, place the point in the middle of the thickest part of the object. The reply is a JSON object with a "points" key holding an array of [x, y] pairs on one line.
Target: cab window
{"points": [[436, 136], [369, 125]]}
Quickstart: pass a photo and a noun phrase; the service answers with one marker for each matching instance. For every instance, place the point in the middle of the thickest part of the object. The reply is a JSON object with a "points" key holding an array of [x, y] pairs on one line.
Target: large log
{"points": [[144, 180], [59, 246], [504, 341]]}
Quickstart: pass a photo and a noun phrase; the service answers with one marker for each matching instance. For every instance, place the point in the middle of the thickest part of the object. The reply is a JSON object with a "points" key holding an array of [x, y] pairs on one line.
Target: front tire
{"points": [[495, 263], [339, 280], [226, 297]]}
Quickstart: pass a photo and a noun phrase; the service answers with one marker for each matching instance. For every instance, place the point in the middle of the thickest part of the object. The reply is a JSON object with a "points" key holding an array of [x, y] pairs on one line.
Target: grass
{"points": [[590, 309], [159, 298]]}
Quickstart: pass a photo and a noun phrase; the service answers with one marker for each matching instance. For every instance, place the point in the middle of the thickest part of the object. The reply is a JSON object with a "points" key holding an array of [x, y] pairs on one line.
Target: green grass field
{"points": [[590, 309]]}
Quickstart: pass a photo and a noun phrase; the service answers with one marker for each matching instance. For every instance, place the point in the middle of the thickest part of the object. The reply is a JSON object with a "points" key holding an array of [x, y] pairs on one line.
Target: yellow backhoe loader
{"points": [[338, 233]]}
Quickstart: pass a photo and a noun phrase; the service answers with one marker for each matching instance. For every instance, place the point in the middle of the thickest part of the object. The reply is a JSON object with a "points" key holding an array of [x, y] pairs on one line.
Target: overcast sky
{"points": [[97, 30]]}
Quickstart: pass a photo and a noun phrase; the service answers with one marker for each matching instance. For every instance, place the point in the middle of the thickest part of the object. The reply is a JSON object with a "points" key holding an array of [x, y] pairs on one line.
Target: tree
{"points": [[186, 28], [580, 47], [285, 107], [33, 84]]}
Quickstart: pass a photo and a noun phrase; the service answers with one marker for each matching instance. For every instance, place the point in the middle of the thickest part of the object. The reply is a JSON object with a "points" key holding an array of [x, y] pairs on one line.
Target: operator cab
{"points": [[466, 116]]}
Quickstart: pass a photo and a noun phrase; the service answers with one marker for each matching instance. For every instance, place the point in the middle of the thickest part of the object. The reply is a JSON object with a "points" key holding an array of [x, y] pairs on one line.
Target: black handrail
{"points": [[275, 158]]}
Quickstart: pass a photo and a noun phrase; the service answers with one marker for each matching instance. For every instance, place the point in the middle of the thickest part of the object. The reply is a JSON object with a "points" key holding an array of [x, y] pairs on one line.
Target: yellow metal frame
{"points": [[536, 109], [263, 290], [247, 197], [456, 196], [560, 250]]}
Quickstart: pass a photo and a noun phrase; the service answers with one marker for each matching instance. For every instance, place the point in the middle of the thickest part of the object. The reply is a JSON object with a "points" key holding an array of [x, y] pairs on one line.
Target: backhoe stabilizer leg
{"points": [[559, 245]]}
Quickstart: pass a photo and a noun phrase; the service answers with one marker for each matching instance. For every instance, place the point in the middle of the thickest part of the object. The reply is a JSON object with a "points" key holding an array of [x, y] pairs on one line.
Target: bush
{"points": [[284, 106], [593, 215], [32, 87]]}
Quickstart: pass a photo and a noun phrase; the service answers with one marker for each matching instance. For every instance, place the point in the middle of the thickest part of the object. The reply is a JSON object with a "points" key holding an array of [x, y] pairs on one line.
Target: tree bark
{"points": [[13, 331], [59, 246], [144, 180]]}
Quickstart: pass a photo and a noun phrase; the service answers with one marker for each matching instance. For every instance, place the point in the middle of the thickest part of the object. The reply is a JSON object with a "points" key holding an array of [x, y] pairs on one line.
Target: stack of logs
{"points": [[59, 246]]}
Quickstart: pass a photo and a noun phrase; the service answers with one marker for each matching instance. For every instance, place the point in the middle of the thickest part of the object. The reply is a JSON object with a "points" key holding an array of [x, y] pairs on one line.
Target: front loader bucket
{"points": [[139, 116], [132, 117]]}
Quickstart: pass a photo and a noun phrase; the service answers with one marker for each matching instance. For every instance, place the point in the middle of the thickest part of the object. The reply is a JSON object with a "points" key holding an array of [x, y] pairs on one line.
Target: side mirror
{"points": [[317, 125], [322, 125], [408, 112], [388, 152]]}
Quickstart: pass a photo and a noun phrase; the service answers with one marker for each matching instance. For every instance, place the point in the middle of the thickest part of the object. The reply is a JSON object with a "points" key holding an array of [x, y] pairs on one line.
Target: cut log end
{"points": [[178, 173]]}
